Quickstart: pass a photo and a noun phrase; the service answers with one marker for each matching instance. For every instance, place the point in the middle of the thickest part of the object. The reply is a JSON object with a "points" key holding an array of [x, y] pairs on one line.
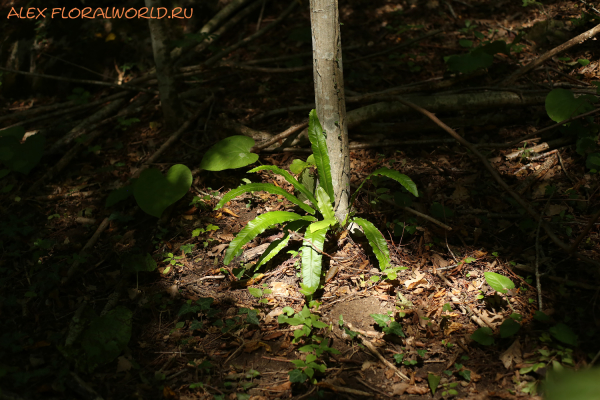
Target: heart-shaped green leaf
{"points": [[155, 192], [20, 157], [232, 152]]}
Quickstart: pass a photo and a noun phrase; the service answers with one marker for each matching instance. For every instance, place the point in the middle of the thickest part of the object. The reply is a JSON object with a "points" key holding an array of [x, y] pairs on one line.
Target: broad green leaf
{"points": [[274, 248], [317, 226], [20, 157], [312, 260], [573, 385], [434, 381], [139, 263], [309, 181], [119, 195], [155, 192], [402, 179], [377, 242], [561, 104], [256, 227], [230, 153], [297, 376], [324, 203], [297, 166], [509, 327], [483, 336], [255, 292], [288, 177], [593, 161], [319, 148], [106, 337], [563, 333], [381, 319], [264, 187], [499, 283]]}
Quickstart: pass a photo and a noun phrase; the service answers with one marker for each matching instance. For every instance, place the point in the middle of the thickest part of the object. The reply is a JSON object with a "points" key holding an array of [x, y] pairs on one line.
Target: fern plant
{"points": [[320, 217]]}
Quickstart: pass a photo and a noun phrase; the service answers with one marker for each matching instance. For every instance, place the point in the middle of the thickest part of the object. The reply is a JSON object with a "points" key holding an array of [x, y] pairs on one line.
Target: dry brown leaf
{"points": [[282, 388], [418, 281], [123, 364], [280, 288], [399, 388], [453, 327], [228, 211], [512, 354], [417, 390]]}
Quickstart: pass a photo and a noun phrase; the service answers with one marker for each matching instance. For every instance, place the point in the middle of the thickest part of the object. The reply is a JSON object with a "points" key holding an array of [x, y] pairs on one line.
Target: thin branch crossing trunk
{"points": [[329, 96]]}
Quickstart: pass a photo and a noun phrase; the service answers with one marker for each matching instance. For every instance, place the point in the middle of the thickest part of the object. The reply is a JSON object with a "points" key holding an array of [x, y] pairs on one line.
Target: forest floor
{"points": [[203, 330]]}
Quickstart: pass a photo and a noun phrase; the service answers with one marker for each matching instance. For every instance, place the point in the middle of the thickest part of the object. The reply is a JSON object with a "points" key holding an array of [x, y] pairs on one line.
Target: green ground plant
{"points": [[321, 204]]}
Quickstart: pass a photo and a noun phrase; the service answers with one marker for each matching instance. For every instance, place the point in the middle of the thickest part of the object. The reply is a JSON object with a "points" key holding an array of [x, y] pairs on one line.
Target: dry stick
{"points": [[494, 174], [410, 210], [584, 232], [265, 69], [394, 48], [87, 246], [391, 366], [66, 110], [57, 106], [91, 123], [205, 104], [84, 81], [185, 53], [568, 44], [532, 134], [290, 131], [538, 281], [69, 155], [217, 57]]}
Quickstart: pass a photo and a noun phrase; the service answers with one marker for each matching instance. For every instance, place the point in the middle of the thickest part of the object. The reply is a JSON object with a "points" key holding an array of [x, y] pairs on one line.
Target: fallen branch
{"points": [[63, 111], [585, 231], [68, 157], [540, 60], [91, 123], [290, 131], [217, 57], [205, 104], [83, 81], [410, 210], [500, 181], [373, 350], [537, 132]]}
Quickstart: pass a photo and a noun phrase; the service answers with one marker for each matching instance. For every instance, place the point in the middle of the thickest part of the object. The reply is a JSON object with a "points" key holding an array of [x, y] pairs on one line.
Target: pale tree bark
{"points": [[170, 102], [329, 96]]}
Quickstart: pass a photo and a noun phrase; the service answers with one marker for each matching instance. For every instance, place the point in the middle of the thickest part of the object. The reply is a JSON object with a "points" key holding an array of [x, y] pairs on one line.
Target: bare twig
{"points": [[540, 60], [84, 81], [174, 137], [498, 178], [217, 57], [538, 282], [410, 210], [373, 350], [537, 132], [290, 131], [585, 231]]}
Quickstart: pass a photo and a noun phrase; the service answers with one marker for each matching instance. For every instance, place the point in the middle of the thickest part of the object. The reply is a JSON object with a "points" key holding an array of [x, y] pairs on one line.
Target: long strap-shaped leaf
{"points": [[257, 226], [265, 187], [324, 203], [377, 242], [319, 148], [288, 177], [274, 248], [311, 260], [393, 174]]}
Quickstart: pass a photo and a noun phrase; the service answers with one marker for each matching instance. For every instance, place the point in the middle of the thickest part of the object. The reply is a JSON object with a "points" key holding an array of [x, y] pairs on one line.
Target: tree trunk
{"points": [[329, 96], [170, 103]]}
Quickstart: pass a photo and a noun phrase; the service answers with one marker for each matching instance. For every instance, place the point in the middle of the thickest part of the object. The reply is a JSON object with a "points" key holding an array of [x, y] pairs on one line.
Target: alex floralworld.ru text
{"points": [[92, 13]]}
